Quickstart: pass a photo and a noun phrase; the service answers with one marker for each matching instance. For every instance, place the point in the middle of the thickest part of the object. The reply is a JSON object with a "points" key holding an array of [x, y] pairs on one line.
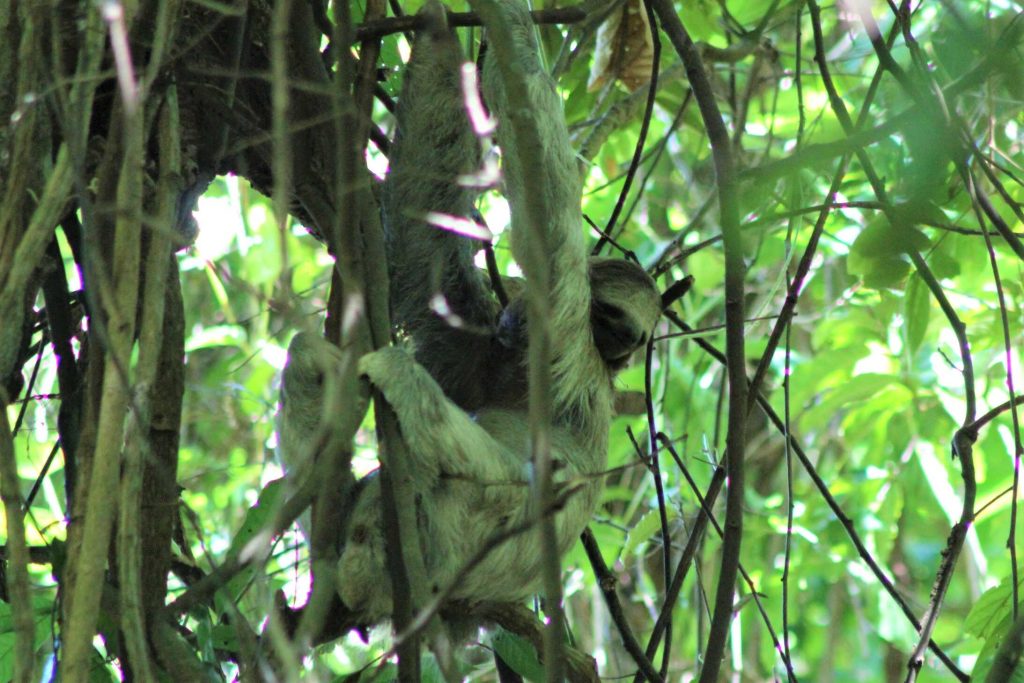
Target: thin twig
{"points": [[406, 23], [659, 487], [683, 566], [606, 582], [439, 600], [832, 503], [202, 591], [645, 125], [963, 439], [1004, 321], [743, 572]]}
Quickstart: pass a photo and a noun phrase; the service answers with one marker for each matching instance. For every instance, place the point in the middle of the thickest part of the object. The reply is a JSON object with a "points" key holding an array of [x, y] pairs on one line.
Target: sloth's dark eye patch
{"points": [[612, 312], [605, 313]]}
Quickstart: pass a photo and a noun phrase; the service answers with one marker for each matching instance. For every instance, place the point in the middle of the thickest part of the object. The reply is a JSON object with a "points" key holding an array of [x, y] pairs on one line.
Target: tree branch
{"points": [[606, 582], [735, 273], [384, 27]]}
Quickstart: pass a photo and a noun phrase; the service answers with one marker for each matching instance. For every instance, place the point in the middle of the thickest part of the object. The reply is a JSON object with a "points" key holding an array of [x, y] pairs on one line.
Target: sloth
{"points": [[460, 394]]}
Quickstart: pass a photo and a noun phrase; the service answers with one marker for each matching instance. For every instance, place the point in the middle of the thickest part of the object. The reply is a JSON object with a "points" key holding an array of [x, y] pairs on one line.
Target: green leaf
{"points": [[916, 311], [886, 272], [701, 19], [892, 623], [876, 256], [648, 526], [258, 515], [916, 212], [519, 654], [943, 265], [859, 388], [223, 637], [991, 608], [42, 608], [99, 670], [216, 336], [430, 671], [873, 241], [877, 253], [987, 655], [256, 519], [371, 673]]}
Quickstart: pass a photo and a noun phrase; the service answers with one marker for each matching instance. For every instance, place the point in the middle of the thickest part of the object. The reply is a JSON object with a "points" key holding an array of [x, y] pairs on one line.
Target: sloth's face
{"points": [[310, 358], [624, 308]]}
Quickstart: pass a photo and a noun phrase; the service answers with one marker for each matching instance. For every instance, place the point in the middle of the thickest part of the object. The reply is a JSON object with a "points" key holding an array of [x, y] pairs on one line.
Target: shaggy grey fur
{"points": [[460, 397]]}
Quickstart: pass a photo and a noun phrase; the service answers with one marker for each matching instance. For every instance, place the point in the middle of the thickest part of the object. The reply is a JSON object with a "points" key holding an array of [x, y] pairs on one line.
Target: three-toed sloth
{"points": [[460, 393]]}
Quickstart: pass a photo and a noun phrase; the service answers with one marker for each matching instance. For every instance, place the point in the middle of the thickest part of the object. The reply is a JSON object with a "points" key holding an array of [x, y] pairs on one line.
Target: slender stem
{"points": [[104, 478], [400, 24], [735, 272], [606, 582], [17, 581]]}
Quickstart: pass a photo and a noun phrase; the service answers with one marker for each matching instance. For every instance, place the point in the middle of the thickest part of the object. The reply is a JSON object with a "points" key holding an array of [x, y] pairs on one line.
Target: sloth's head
{"points": [[310, 359], [625, 305]]}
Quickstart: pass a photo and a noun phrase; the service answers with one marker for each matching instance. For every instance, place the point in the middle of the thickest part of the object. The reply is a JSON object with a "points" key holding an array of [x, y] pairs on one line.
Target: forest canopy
{"points": [[814, 469]]}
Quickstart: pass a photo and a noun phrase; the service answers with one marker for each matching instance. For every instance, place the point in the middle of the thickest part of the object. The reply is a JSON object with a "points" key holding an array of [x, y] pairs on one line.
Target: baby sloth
{"points": [[460, 394]]}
